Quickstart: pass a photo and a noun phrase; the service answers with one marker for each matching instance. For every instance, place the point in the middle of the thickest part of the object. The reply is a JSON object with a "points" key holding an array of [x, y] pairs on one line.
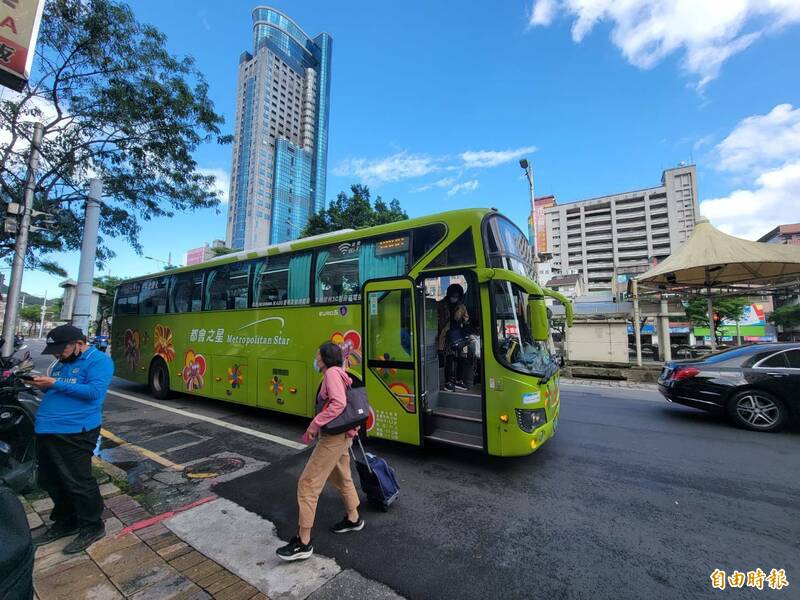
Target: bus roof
{"points": [[475, 214]]}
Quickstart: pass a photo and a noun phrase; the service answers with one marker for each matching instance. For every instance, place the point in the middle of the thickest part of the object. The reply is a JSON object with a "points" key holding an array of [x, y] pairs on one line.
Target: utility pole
{"points": [[44, 310], [532, 234], [83, 294], [21, 246]]}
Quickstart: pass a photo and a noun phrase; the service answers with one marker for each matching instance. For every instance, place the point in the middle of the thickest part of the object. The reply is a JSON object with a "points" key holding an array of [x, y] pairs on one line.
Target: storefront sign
{"points": [[19, 28]]}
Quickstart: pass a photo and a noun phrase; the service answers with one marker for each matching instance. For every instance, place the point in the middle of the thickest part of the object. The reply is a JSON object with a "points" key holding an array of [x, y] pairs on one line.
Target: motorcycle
{"points": [[18, 405]]}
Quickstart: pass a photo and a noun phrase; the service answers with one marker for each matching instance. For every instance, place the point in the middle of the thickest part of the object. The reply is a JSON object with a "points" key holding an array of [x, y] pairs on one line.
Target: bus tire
{"points": [[158, 380]]}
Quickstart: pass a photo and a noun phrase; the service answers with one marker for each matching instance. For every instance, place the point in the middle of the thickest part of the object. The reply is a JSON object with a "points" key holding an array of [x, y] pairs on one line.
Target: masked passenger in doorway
{"points": [[454, 338]]}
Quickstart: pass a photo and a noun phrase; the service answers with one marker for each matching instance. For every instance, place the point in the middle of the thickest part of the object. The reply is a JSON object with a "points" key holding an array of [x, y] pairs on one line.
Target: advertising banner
{"points": [[541, 225], [19, 28]]}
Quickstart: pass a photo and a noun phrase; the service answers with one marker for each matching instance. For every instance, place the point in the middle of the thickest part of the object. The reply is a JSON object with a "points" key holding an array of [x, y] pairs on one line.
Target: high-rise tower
{"points": [[280, 144]]}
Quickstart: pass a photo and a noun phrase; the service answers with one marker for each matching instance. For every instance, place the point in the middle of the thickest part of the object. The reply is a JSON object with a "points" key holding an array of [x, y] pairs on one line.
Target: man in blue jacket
{"points": [[67, 429]]}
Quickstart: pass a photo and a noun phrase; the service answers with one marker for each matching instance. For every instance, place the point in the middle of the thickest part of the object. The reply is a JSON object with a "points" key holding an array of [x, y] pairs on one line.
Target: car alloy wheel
{"points": [[758, 411]]}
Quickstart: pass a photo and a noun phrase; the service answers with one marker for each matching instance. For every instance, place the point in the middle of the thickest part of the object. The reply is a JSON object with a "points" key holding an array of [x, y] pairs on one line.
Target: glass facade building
{"points": [[281, 133]]}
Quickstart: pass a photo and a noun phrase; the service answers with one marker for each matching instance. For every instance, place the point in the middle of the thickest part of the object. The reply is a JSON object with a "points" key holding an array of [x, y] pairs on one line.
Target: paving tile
{"points": [[163, 541], [53, 547], [113, 526], [107, 513], [229, 580], [172, 552], [34, 520], [187, 560], [120, 561], [123, 502], [107, 490], [82, 580], [151, 532], [259, 596], [25, 504], [40, 506], [213, 578], [143, 577], [201, 570], [174, 587], [112, 545], [238, 591], [56, 558]]}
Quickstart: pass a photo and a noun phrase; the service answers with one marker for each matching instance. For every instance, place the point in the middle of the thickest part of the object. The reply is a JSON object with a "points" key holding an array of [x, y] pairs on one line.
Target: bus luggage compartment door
{"points": [[282, 385]]}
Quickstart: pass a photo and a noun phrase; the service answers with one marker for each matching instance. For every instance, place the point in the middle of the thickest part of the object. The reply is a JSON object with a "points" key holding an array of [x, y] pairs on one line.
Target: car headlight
{"points": [[529, 419]]}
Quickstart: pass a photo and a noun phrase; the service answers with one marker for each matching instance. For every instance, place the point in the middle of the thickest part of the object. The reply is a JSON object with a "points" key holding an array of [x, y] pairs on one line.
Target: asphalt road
{"points": [[633, 498]]}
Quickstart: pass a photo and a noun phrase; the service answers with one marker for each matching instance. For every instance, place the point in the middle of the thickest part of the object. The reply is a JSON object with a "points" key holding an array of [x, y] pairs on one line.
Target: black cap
{"points": [[58, 338]]}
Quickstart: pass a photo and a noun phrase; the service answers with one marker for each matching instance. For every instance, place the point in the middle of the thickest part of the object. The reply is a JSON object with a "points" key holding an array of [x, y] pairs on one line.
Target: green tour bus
{"points": [[245, 328]]}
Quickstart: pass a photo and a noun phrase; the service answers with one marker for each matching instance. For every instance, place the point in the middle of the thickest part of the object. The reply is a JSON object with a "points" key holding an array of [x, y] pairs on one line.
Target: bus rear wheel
{"points": [[158, 381]]}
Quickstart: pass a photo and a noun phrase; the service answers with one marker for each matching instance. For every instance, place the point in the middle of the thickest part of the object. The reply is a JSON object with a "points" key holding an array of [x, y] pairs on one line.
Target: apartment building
{"points": [[607, 237]]}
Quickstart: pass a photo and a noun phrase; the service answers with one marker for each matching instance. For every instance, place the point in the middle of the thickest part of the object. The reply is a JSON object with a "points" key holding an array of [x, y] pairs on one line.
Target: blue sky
{"points": [[434, 102]]}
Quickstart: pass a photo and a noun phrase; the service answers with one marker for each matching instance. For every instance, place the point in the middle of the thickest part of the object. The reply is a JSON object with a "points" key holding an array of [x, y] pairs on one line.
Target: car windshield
{"points": [[514, 346]]}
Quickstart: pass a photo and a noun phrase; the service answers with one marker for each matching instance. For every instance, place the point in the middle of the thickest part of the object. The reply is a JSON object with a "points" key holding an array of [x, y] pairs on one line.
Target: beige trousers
{"points": [[330, 461]]}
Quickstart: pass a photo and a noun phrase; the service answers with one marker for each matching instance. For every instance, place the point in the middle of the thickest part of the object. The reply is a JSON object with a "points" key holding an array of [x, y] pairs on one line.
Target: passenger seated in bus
{"points": [[454, 337]]}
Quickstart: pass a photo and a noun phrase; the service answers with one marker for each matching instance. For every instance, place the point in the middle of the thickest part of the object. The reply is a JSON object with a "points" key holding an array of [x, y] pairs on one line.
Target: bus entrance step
{"points": [[458, 420], [454, 438], [460, 400]]}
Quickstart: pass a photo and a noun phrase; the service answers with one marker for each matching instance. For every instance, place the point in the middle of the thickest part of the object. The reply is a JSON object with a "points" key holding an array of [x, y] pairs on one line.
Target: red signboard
{"points": [[19, 27]]}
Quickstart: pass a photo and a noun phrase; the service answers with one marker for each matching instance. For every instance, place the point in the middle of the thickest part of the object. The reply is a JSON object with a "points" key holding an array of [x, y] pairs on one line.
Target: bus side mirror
{"points": [[537, 317]]}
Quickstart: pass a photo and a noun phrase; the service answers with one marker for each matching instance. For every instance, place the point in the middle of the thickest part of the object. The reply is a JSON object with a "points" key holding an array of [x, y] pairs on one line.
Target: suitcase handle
{"points": [[363, 453]]}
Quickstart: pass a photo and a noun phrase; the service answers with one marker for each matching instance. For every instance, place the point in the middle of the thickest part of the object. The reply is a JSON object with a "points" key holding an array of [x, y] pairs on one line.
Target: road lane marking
{"points": [[139, 450], [219, 423]]}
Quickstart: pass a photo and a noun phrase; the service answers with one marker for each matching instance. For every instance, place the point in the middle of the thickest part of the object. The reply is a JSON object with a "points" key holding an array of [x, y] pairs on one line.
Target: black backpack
{"points": [[355, 412]]}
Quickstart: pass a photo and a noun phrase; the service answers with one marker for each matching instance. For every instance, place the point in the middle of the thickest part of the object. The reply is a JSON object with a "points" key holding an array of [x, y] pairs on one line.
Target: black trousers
{"points": [[65, 472]]}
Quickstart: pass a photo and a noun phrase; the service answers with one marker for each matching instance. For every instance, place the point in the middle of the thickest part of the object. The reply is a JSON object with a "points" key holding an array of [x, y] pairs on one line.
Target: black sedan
{"points": [[757, 386]]}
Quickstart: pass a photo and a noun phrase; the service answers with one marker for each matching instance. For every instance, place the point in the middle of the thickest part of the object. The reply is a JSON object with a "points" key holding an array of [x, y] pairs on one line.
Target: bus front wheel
{"points": [[158, 381]]}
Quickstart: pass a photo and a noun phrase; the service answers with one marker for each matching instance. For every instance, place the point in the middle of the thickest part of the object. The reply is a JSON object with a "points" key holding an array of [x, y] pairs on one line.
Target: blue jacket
{"points": [[75, 401]]}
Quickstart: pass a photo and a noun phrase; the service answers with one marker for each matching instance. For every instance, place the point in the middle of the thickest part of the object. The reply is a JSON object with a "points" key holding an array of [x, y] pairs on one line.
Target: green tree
{"points": [[31, 314], [105, 304], [728, 309], [114, 104], [355, 211], [787, 316], [221, 250]]}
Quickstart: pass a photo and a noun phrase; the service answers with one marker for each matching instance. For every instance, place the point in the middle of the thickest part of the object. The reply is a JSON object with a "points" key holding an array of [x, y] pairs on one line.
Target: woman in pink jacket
{"points": [[330, 460]]}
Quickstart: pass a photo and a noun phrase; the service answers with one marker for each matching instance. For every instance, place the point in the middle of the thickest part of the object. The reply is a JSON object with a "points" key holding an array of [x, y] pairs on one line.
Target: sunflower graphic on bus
{"points": [[350, 343]]}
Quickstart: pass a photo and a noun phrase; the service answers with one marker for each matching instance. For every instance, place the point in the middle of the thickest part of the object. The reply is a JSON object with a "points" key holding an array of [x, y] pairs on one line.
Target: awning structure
{"points": [[713, 259], [714, 263]]}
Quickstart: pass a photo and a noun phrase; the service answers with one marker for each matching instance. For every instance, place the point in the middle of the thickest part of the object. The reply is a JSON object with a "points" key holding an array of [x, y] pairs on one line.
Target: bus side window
{"points": [[186, 293], [153, 296], [127, 301], [460, 252], [227, 287]]}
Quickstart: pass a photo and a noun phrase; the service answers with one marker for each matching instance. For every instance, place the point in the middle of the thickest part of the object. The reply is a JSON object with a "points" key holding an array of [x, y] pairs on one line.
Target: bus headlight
{"points": [[529, 419]]}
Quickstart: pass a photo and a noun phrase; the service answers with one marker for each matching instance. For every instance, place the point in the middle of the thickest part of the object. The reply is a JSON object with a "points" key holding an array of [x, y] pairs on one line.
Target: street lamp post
{"points": [[167, 262], [528, 168]]}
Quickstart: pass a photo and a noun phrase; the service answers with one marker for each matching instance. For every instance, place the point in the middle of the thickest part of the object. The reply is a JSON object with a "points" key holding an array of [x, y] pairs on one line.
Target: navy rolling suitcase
{"points": [[378, 479]]}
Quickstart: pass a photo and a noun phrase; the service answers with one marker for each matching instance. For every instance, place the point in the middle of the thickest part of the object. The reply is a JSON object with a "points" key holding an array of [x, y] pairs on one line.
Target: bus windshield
{"points": [[507, 247], [514, 346]]}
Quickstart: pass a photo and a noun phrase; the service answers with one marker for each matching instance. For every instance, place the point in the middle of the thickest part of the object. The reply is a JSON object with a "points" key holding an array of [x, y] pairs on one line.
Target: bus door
{"points": [[392, 361]]}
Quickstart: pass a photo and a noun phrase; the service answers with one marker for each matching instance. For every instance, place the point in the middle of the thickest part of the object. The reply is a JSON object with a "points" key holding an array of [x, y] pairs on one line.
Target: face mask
{"points": [[453, 299], [71, 358], [316, 366]]}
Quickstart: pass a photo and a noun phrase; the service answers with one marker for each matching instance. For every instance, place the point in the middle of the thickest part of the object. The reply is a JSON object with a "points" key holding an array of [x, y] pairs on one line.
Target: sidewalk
{"points": [[179, 555]]}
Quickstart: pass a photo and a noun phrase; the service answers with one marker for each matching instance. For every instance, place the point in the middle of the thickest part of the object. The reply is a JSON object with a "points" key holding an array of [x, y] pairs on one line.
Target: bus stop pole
{"points": [[83, 294], [636, 333], [21, 246]]}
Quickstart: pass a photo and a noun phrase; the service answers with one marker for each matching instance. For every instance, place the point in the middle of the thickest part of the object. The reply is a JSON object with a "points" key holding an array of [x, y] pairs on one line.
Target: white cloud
{"points": [[705, 32], [400, 165], [493, 158], [543, 12], [762, 140], [222, 183], [463, 188], [750, 213], [441, 183]]}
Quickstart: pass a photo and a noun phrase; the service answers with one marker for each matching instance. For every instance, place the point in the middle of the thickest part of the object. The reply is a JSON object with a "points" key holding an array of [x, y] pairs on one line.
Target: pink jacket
{"points": [[334, 392]]}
